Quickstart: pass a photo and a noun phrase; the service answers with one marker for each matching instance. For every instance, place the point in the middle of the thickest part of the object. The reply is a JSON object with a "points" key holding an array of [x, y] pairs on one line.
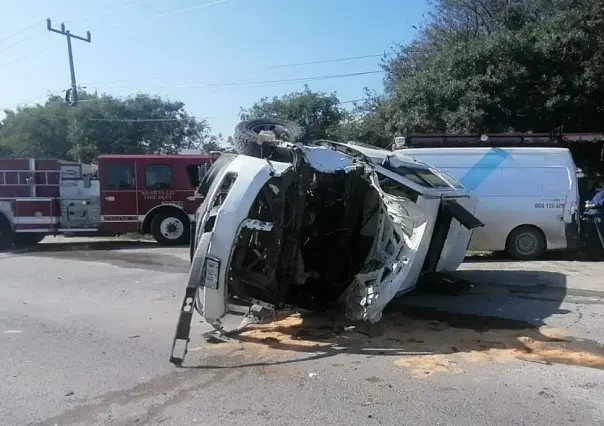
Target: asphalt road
{"points": [[86, 332]]}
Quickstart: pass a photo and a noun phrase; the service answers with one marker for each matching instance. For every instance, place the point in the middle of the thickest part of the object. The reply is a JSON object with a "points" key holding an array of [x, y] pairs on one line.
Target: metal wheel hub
{"points": [[172, 228], [526, 243]]}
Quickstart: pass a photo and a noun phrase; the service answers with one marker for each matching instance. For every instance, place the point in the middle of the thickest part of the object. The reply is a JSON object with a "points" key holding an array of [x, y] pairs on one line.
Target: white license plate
{"points": [[212, 271]]}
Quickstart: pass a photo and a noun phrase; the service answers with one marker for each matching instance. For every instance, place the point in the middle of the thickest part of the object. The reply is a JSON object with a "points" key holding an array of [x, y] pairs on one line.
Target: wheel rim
{"points": [[172, 228], [527, 243]]}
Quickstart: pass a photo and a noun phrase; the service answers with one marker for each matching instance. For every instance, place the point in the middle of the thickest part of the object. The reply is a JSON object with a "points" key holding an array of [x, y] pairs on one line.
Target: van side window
{"points": [[120, 176], [158, 176]]}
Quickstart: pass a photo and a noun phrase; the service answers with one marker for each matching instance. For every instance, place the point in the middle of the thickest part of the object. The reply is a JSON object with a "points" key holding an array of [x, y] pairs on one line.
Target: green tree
{"points": [[545, 69], [213, 143], [366, 122], [141, 124], [38, 131], [318, 113]]}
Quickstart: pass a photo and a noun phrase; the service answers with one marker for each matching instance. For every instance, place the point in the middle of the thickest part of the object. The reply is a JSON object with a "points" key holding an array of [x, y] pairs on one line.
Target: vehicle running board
{"points": [[257, 313], [183, 328], [463, 216]]}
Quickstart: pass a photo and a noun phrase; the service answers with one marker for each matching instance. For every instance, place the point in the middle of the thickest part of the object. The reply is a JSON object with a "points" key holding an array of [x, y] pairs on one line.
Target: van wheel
{"points": [[525, 243], [170, 228], [6, 233]]}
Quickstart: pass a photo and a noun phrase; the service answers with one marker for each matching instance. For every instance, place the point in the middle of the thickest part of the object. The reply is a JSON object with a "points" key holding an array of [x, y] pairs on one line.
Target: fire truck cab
{"points": [[121, 194]]}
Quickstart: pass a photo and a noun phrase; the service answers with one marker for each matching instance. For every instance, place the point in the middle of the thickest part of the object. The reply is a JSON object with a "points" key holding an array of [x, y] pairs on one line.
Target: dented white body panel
{"points": [[459, 237], [217, 242], [401, 259]]}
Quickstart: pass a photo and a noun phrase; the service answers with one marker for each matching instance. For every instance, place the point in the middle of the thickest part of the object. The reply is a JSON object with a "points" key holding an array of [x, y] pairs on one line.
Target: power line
{"points": [[281, 81], [35, 53], [143, 120], [112, 9], [29, 27], [350, 58], [124, 120], [347, 58], [260, 83], [161, 15], [21, 41]]}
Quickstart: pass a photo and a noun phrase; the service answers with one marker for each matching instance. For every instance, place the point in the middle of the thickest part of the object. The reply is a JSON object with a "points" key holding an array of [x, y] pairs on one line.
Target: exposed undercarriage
{"points": [[304, 242]]}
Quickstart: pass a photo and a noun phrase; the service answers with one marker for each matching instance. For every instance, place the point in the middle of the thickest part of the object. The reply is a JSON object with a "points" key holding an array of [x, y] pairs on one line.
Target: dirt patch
{"points": [[423, 340], [429, 364]]}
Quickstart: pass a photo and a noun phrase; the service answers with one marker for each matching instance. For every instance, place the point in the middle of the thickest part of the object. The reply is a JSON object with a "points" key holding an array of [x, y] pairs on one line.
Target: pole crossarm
{"points": [[71, 96]]}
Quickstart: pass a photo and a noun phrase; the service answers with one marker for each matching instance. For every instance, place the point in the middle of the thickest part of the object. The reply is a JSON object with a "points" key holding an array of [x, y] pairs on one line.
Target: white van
{"points": [[529, 197]]}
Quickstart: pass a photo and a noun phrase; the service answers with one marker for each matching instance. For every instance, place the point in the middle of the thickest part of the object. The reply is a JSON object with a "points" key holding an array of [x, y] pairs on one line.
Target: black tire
{"points": [[192, 235], [28, 239], [526, 243], [6, 233], [245, 139], [171, 228]]}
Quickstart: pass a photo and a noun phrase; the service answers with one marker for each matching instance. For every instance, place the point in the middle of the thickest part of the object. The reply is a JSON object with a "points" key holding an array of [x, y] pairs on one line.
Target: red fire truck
{"points": [[121, 194]]}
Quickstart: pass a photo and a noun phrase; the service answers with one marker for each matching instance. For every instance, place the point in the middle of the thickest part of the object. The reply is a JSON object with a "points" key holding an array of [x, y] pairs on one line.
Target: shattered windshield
{"points": [[423, 177]]}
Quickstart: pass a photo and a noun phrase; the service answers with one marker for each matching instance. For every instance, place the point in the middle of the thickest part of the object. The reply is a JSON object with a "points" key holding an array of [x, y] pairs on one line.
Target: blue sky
{"points": [[176, 48]]}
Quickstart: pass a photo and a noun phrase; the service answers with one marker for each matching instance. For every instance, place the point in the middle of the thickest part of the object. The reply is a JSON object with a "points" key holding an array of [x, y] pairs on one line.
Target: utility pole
{"points": [[73, 99]]}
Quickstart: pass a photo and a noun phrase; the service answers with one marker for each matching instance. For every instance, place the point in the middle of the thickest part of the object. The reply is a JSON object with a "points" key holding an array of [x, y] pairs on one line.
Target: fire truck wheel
{"points": [[6, 233], [24, 240], [170, 228]]}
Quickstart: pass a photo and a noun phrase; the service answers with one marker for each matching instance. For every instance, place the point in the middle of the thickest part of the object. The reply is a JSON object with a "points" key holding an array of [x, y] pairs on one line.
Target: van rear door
{"points": [[570, 215]]}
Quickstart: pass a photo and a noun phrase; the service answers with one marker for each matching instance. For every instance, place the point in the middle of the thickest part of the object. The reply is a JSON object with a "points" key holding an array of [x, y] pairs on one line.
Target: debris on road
{"points": [[424, 341]]}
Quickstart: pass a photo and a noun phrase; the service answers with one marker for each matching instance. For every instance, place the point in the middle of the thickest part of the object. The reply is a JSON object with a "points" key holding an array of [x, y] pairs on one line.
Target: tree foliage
{"points": [[319, 113], [541, 71], [141, 124], [481, 66]]}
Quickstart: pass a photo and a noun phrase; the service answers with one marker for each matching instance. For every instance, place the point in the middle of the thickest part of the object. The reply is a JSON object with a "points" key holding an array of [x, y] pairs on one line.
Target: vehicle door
{"points": [[118, 194], [554, 209], [156, 185], [572, 208]]}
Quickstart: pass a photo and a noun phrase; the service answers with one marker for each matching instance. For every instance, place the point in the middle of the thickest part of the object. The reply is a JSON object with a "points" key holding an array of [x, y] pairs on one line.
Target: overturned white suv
{"points": [[287, 224]]}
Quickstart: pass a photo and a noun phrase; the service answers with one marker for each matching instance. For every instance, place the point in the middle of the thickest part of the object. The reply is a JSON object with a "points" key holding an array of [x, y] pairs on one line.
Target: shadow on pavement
{"points": [[425, 339], [503, 257], [122, 253], [67, 246]]}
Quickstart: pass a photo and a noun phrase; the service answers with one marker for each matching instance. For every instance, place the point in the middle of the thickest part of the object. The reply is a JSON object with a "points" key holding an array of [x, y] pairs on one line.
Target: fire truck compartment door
{"points": [[80, 213]]}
